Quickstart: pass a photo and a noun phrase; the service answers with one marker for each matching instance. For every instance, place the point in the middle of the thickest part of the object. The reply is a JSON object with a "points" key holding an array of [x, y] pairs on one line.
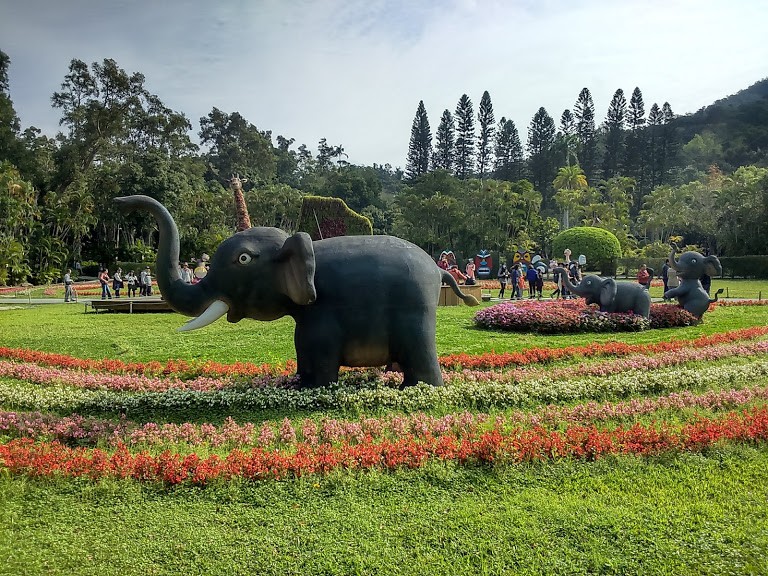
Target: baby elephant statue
{"points": [[690, 294], [356, 300], [612, 296]]}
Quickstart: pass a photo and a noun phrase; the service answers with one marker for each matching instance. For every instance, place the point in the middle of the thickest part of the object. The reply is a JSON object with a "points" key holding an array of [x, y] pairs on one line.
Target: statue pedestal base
{"points": [[449, 298]]}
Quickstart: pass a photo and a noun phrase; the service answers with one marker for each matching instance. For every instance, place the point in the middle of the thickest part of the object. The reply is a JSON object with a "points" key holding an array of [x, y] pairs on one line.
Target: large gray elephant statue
{"points": [[690, 267], [612, 296], [356, 300]]}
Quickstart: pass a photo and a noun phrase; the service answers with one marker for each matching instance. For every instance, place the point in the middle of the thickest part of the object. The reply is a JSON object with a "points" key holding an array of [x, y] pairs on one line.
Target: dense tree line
{"points": [[471, 186], [644, 178]]}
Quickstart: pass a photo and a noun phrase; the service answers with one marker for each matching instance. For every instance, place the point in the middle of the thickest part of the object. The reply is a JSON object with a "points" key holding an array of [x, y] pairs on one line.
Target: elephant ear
{"points": [[712, 266], [608, 289], [296, 269]]}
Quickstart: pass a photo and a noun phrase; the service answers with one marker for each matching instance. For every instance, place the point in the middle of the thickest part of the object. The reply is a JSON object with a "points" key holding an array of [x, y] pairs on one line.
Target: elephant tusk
{"points": [[211, 314]]}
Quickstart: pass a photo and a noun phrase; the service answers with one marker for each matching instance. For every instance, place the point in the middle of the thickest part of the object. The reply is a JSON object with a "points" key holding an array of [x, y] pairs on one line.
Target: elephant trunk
{"points": [[187, 299], [672, 261], [567, 281]]}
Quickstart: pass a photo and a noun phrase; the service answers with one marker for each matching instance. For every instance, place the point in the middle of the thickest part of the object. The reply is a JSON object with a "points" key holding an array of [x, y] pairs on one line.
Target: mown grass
{"points": [[686, 514], [66, 329], [675, 514]]}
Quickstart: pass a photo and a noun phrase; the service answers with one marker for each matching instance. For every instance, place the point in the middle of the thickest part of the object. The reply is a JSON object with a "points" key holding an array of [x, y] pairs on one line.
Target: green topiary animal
{"points": [[323, 217]]}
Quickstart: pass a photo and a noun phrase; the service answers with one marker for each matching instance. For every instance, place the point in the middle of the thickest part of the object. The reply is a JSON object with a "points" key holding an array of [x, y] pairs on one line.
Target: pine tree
{"points": [[465, 137], [655, 161], [420, 146], [541, 140], [635, 152], [566, 140], [567, 123], [668, 142], [509, 152], [485, 145], [584, 114], [614, 138], [444, 155]]}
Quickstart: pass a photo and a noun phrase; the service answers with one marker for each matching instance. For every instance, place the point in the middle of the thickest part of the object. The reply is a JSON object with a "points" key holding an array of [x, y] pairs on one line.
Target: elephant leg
{"points": [[673, 293], [414, 349], [318, 356]]}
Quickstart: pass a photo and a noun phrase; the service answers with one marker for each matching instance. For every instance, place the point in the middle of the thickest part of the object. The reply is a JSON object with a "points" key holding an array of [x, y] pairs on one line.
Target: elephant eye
{"points": [[244, 258]]}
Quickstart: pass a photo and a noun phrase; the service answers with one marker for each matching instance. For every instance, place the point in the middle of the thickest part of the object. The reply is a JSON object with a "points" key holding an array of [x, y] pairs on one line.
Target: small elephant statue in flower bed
{"points": [[356, 300], [610, 295], [690, 267]]}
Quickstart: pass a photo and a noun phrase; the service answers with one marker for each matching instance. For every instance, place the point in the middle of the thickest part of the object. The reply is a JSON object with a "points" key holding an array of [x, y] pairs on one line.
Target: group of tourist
{"points": [[518, 278], [141, 281], [135, 283]]}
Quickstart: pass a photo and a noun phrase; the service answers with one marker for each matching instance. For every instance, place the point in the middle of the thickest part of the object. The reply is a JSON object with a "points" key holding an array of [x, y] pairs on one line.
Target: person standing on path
{"points": [[117, 282], [104, 281], [531, 276], [503, 276], [69, 295]]}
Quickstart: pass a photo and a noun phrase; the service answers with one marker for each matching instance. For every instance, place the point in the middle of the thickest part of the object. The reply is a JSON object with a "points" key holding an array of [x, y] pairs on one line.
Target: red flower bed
{"points": [[543, 355], [184, 369], [24, 456]]}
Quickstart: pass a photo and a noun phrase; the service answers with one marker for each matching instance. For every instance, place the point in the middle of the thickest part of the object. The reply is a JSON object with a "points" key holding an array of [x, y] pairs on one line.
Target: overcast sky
{"points": [[354, 71]]}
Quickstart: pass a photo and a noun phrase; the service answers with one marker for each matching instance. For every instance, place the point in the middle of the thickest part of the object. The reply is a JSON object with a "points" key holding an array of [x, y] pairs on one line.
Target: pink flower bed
{"points": [[567, 316]]}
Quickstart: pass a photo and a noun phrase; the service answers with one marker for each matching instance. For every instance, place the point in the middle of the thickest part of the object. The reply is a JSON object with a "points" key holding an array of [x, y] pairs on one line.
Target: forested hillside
{"points": [[475, 183]]}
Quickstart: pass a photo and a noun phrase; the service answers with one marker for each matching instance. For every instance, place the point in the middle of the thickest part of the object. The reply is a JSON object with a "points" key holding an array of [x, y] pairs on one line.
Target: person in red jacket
{"points": [[643, 276]]}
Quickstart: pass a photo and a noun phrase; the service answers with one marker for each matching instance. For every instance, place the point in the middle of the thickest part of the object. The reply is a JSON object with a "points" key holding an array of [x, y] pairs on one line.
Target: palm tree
{"points": [[570, 182]]}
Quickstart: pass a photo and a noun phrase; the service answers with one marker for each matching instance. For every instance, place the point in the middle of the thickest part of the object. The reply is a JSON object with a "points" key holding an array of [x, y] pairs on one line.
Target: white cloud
{"points": [[353, 72]]}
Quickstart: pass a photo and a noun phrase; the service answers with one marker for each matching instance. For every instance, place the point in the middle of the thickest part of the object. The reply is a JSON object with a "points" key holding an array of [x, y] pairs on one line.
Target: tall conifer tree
{"points": [[566, 140], [584, 114], [445, 145], [668, 141], [465, 137], [485, 144], [509, 152], [541, 165], [444, 155], [614, 135], [636, 149], [655, 160], [420, 146]]}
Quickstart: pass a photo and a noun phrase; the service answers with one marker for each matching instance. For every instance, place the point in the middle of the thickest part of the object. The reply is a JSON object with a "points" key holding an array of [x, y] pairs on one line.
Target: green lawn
{"points": [[689, 514], [675, 514], [66, 329]]}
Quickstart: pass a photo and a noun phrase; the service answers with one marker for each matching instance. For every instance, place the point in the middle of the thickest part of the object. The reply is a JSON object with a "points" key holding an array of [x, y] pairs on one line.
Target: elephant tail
{"points": [[468, 299], [716, 295]]}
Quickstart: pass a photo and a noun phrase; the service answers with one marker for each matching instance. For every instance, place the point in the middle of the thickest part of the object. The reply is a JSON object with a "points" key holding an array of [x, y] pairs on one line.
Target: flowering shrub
{"points": [[497, 445], [532, 316], [671, 316], [565, 316], [472, 389], [79, 430]]}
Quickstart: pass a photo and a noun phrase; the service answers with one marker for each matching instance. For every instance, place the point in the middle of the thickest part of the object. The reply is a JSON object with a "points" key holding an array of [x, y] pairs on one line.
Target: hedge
{"points": [[745, 266], [733, 266]]}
